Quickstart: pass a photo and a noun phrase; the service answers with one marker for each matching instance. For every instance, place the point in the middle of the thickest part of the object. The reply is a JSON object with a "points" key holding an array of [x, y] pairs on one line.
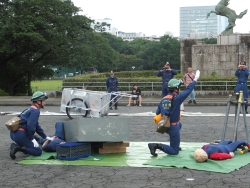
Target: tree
{"points": [[209, 40], [36, 34], [93, 50]]}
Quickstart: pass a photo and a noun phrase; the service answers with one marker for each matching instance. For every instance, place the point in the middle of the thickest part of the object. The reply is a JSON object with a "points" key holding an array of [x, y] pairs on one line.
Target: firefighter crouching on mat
{"points": [[24, 136], [173, 111]]}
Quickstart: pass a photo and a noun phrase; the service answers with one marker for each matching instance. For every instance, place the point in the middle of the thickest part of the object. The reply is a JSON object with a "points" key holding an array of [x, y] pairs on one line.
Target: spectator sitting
{"points": [[136, 95]]}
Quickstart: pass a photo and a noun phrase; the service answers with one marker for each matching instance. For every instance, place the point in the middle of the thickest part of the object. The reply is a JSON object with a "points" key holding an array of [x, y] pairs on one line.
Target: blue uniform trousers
{"points": [[59, 132], [113, 96], [164, 90], [226, 146], [174, 133], [21, 138]]}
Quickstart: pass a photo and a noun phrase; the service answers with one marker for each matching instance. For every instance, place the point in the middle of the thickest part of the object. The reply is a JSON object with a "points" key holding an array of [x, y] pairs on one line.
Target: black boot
{"points": [[246, 111], [153, 146], [116, 107], [14, 148]]}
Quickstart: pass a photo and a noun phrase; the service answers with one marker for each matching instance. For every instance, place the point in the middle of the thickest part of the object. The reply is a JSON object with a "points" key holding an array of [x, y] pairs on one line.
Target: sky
{"points": [[154, 17]]}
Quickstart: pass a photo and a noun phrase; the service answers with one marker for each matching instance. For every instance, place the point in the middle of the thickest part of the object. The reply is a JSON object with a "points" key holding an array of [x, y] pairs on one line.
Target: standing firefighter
{"points": [[242, 73], [112, 86], [167, 74]]}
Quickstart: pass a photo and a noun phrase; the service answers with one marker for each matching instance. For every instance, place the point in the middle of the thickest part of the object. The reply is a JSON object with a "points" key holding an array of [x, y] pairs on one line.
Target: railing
{"points": [[146, 86], [152, 86]]}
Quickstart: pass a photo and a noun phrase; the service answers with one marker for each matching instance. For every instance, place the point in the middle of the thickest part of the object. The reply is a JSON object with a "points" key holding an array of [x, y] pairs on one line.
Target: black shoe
{"points": [[110, 108], [152, 147], [246, 111], [190, 101], [116, 108], [179, 148], [194, 101], [37, 138], [13, 149]]}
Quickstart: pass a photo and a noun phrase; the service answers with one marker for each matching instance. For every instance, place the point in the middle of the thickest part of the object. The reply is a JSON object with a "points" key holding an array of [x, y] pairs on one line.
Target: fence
{"points": [[145, 86]]}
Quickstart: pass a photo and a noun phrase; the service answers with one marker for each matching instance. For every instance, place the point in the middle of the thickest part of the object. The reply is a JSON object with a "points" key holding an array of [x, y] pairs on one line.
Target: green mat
{"points": [[185, 159], [138, 155], [52, 155]]}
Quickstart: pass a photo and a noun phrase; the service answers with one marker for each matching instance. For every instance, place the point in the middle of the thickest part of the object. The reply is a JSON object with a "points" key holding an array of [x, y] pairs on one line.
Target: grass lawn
{"points": [[46, 85]]}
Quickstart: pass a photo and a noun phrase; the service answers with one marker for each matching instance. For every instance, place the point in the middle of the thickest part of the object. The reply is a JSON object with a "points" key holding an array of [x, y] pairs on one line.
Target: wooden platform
{"points": [[110, 147]]}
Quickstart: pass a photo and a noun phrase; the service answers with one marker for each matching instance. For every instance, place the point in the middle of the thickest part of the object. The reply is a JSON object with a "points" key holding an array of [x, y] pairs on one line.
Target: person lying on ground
{"points": [[221, 151]]}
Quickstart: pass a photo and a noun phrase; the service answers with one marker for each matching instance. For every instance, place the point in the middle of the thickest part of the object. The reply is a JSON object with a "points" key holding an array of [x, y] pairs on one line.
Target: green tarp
{"points": [[138, 155]]}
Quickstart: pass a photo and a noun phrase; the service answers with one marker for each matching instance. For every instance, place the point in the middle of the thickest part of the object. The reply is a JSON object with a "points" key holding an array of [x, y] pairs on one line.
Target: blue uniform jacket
{"points": [[31, 125], [177, 101], [166, 74], [51, 146], [215, 148], [242, 75], [112, 84]]}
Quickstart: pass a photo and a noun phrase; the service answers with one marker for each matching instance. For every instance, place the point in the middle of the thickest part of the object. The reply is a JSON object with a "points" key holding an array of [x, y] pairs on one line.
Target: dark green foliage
{"points": [[3, 93], [141, 77], [35, 34], [209, 40]]}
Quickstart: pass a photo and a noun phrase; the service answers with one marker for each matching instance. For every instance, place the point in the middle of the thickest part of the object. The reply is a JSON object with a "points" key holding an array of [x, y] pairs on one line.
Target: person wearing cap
{"points": [[167, 74], [221, 151], [24, 136], [242, 74], [170, 106], [112, 86]]}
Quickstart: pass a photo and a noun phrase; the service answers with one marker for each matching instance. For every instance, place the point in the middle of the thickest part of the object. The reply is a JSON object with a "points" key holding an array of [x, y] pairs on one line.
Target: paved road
{"points": [[147, 101], [195, 129]]}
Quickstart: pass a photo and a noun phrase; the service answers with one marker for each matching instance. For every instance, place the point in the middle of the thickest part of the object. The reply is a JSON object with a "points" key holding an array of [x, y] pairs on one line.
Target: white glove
{"points": [[197, 75], [36, 145], [49, 138]]}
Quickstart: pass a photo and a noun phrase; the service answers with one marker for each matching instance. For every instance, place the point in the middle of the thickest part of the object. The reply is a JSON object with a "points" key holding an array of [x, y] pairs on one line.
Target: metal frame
{"points": [[239, 105], [101, 103]]}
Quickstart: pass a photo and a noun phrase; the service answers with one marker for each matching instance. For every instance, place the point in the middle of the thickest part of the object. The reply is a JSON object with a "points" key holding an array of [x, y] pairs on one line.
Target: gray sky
{"points": [[153, 17]]}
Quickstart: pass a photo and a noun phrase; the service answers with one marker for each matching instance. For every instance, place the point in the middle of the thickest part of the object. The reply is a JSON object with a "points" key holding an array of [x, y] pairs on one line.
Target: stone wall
{"points": [[186, 53], [218, 59]]}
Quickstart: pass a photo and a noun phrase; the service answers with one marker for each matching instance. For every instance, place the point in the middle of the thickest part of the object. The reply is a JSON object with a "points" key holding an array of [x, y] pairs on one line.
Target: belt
{"points": [[242, 83], [165, 82], [174, 123], [21, 129], [112, 87]]}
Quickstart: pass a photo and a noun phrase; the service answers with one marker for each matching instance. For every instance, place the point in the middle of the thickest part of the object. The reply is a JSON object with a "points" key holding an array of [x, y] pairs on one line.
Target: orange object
{"points": [[157, 118]]}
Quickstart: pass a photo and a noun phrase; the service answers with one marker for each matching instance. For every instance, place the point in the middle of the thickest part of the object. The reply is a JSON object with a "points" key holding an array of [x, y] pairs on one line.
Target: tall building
{"points": [[194, 20]]}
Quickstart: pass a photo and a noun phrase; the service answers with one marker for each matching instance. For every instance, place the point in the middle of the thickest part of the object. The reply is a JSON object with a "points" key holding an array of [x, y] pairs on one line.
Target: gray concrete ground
{"points": [[195, 129]]}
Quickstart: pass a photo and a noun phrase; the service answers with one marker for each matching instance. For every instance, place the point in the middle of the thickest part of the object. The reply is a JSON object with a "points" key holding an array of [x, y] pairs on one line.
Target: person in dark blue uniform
{"points": [[24, 136], [58, 138], [170, 106], [221, 151], [112, 86], [167, 74], [242, 73]]}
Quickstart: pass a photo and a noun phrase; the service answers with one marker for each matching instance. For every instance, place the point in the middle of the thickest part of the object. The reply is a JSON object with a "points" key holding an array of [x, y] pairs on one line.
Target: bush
{"points": [[140, 77], [3, 93]]}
